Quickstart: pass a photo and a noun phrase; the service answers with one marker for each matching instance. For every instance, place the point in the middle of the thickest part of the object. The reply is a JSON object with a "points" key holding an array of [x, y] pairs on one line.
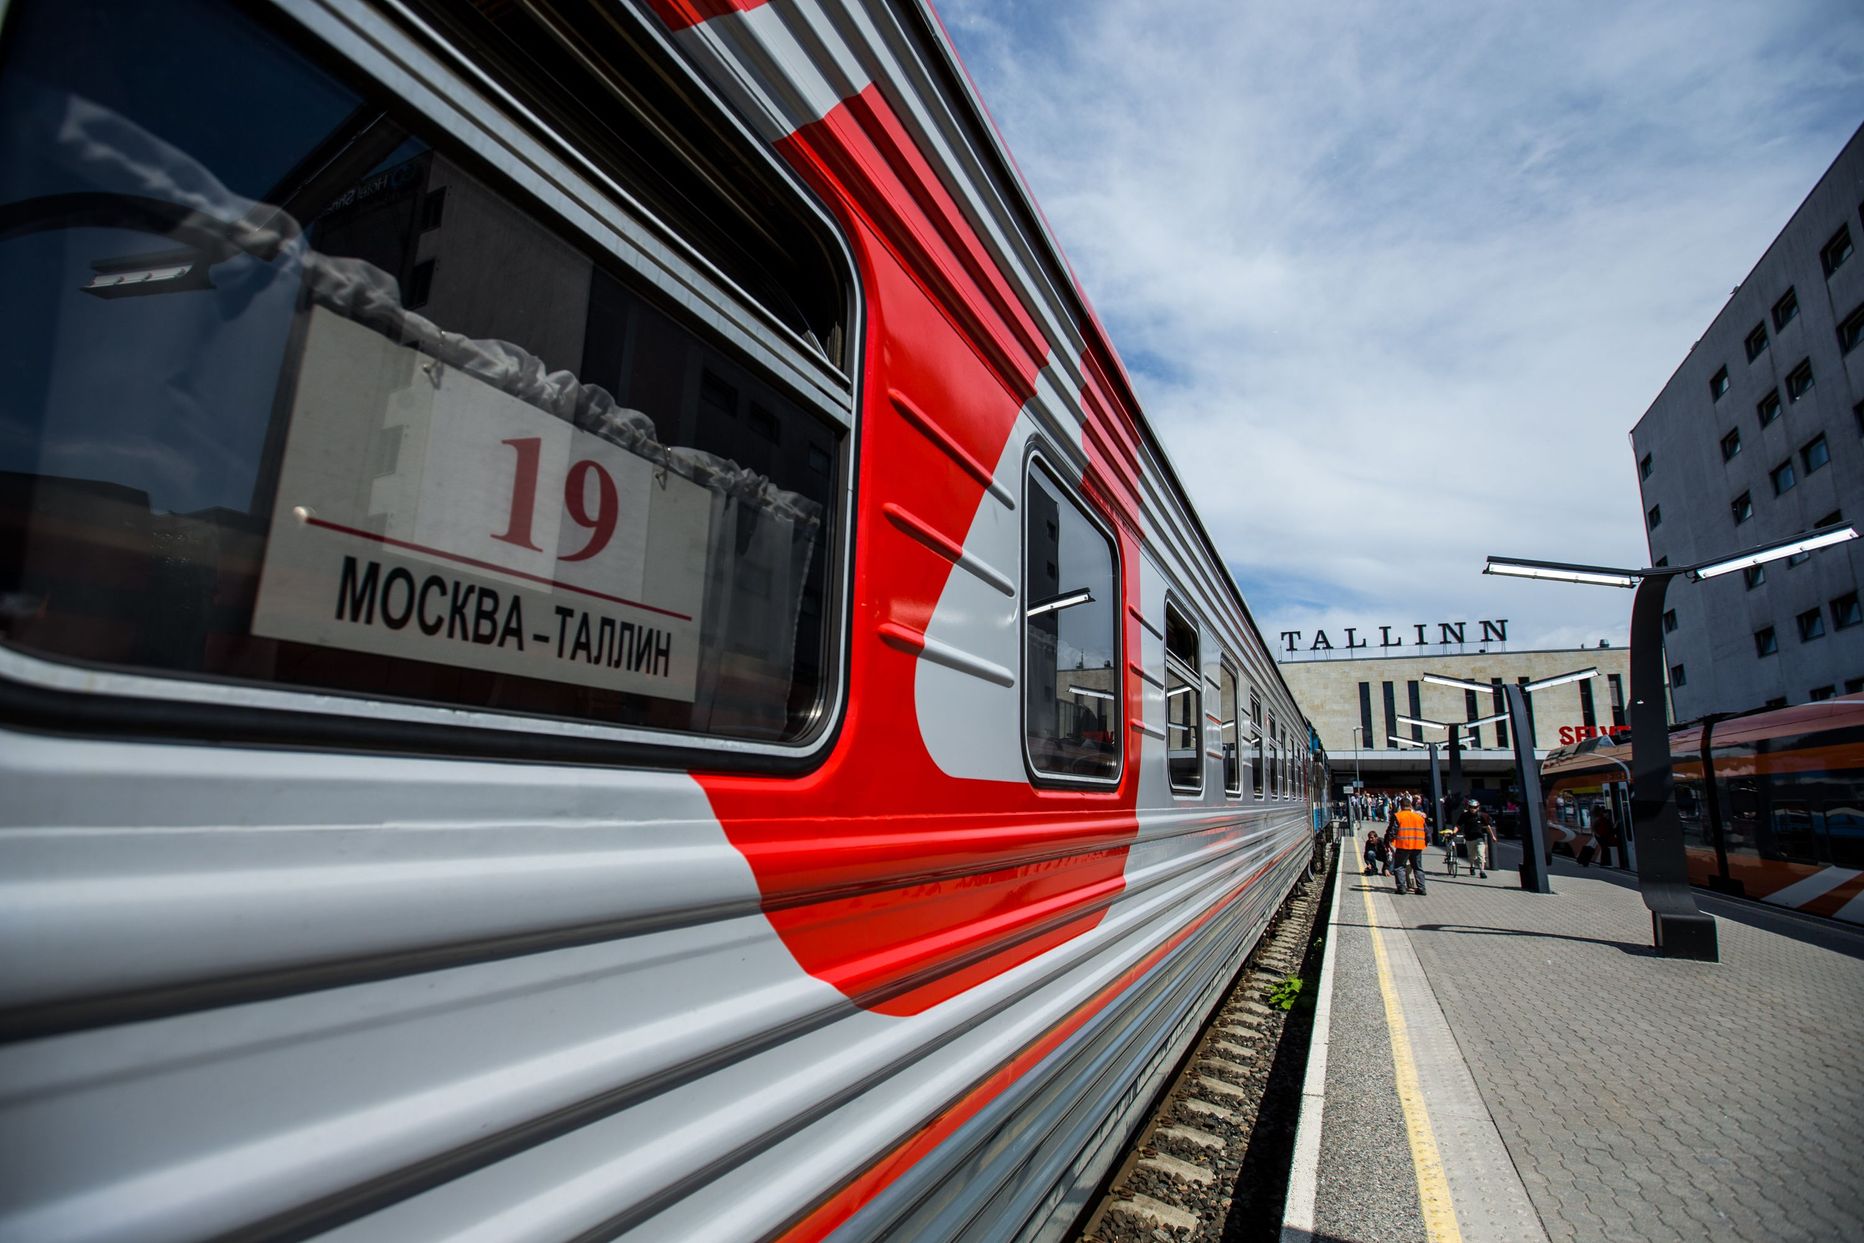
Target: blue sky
{"points": [[1394, 281]]}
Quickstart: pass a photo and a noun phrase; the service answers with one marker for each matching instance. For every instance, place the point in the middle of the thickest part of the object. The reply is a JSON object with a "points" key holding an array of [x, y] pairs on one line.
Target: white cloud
{"points": [[1395, 282]]}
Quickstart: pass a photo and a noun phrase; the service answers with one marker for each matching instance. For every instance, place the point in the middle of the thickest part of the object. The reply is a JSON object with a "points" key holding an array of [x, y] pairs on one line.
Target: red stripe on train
{"points": [[841, 855], [838, 1208], [679, 14]]}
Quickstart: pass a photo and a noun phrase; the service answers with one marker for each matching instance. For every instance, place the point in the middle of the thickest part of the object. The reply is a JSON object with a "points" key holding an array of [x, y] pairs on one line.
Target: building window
{"points": [[765, 424], [1678, 676], [1783, 478], [1655, 516], [1184, 741], [433, 209], [420, 285], [1798, 559], [1819, 694], [1071, 636], [1617, 685], [1778, 701], [1643, 467], [1661, 561], [1756, 341], [1854, 685], [1769, 408], [1830, 520], [1815, 453], [1718, 383], [1811, 625], [1258, 755], [1743, 507], [1669, 621], [1731, 445], [1833, 254], [1229, 730], [1799, 380], [1846, 612], [1785, 309], [1754, 575], [1851, 329], [1766, 642]]}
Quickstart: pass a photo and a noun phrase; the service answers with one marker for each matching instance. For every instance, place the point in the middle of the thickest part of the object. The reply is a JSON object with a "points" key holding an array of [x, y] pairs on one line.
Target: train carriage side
{"points": [[595, 644], [1771, 802]]}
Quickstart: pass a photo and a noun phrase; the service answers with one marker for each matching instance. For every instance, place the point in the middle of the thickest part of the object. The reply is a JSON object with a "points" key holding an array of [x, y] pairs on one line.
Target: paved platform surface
{"points": [[1554, 1079]]}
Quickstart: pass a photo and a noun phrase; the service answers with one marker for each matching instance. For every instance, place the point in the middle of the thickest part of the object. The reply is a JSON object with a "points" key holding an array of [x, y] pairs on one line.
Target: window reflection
{"points": [[1184, 747], [255, 310], [1230, 730], [1071, 682], [1258, 756]]}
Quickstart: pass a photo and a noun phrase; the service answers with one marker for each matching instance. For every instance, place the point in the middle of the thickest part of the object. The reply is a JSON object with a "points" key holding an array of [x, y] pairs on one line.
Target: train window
{"points": [[1257, 758], [1690, 809], [1274, 733], [1844, 816], [1071, 674], [1230, 730], [1184, 748], [230, 449]]}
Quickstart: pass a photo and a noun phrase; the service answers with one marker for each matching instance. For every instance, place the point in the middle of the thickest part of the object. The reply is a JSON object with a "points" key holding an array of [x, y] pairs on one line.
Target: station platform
{"points": [[1492, 1064]]}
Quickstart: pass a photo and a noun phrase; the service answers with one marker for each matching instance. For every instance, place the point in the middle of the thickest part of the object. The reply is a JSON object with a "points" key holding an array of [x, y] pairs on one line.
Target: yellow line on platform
{"points": [[1433, 1189]]}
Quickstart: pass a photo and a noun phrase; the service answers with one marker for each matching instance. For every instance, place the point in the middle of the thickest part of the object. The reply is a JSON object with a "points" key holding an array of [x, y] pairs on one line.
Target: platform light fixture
{"points": [[1560, 571], [1822, 538], [1413, 720], [1087, 692], [1439, 679], [1578, 675]]}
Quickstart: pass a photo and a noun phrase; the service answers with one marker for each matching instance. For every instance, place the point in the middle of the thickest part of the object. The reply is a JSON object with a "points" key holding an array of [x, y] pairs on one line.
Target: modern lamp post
{"points": [[1455, 740], [1527, 769], [1359, 784], [1679, 929], [1436, 779]]}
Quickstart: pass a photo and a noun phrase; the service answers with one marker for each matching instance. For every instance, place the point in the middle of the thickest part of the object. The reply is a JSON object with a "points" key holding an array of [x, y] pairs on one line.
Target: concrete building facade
{"points": [[1759, 435], [1355, 706]]}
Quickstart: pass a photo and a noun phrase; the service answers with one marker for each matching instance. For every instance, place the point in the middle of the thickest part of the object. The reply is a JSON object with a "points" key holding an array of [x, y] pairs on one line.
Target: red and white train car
{"points": [[592, 641]]}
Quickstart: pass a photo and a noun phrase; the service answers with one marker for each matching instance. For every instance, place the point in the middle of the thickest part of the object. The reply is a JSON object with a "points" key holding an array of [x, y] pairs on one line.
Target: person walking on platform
{"points": [[1408, 842], [1604, 837], [1474, 827]]}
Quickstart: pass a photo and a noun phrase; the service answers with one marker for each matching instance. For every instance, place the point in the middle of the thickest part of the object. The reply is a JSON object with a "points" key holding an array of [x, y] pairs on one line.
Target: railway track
{"points": [[1220, 1117]]}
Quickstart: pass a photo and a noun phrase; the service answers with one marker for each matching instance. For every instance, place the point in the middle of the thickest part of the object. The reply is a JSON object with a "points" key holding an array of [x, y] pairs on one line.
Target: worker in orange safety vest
{"points": [[1408, 848]]}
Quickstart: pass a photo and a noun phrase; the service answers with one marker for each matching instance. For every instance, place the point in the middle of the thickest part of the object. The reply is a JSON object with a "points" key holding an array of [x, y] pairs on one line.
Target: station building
{"points": [[1355, 703], [1757, 436]]}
